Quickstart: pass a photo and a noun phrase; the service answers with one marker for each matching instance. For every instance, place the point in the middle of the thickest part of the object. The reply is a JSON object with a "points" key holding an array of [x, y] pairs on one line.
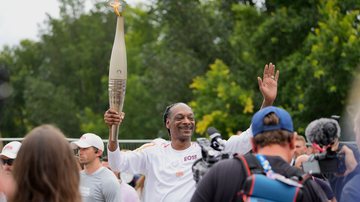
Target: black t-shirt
{"points": [[225, 179]]}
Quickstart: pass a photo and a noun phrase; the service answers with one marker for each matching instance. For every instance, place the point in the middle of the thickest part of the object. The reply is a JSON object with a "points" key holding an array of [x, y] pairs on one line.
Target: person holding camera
{"points": [[322, 182], [350, 191], [167, 165], [333, 160], [274, 142]]}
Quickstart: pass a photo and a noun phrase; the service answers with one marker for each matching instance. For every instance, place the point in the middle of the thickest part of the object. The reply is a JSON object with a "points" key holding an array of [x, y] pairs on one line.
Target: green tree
{"points": [[70, 65], [22, 62], [171, 49], [328, 61], [220, 102], [44, 103]]}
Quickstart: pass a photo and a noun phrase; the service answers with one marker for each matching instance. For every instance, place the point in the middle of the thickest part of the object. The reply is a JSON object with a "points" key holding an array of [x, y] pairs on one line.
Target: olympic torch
{"points": [[118, 66]]}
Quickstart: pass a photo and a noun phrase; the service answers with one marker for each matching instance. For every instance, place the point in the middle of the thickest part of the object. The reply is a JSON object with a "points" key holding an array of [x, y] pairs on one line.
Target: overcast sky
{"points": [[20, 19]]}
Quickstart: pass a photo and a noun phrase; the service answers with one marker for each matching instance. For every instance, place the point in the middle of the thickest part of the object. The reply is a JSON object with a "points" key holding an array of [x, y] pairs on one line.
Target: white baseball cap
{"points": [[89, 140], [11, 149]]}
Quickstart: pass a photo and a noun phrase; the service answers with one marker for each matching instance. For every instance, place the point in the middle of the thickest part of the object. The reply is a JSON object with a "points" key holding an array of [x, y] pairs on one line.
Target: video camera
{"points": [[323, 133], [327, 162], [212, 152]]}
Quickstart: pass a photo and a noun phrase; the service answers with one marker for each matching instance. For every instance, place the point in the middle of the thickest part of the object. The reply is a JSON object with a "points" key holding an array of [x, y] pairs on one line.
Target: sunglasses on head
{"points": [[7, 161]]}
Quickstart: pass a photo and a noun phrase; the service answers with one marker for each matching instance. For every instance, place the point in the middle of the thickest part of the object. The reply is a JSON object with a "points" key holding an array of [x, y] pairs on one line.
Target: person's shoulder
{"points": [[312, 190], [155, 144], [159, 141], [228, 164], [350, 191], [283, 167], [195, 145], [127, 188], [108, 178], [352, 184], [351, 146], [105, 173], [129, 192], [227, 170], [354, 149]]}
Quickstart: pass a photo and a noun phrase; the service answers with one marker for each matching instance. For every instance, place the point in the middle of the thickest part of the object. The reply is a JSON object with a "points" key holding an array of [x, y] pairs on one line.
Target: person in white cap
{"points": [[8, 155], [97, 183]]}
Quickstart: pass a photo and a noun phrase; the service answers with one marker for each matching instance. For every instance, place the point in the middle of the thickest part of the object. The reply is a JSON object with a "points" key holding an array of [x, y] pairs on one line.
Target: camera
{"points": [[210, 156], [323, 133], [217, 142], [327, 162]]}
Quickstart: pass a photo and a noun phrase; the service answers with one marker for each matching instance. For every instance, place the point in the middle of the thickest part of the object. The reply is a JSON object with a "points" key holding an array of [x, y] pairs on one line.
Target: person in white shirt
{"points": [[167, 164]]}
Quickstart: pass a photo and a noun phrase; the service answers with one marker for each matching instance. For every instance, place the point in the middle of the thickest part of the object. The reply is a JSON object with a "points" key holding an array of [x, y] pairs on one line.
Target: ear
{"points": [[167, 123], [99, 153], [292, 142], [254, 147]]}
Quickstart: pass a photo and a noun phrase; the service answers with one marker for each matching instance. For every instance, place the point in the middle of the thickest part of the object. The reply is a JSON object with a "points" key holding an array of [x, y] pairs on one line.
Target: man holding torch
{"points": [[167, 165]]}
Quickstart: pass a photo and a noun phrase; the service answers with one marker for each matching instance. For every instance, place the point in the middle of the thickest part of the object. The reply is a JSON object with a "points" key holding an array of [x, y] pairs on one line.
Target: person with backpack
{"points": [[266, 174]]}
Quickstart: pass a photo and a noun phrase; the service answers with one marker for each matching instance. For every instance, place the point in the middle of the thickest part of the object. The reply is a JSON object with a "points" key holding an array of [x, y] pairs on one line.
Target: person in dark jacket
{"points": [[274, 140]]}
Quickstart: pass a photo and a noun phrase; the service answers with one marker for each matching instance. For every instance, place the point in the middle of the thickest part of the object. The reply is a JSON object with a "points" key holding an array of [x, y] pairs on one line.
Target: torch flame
{"points": [[118, 6]]}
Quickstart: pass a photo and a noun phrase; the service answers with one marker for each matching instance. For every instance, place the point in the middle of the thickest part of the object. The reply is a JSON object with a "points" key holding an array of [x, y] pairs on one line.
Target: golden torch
{"points": [[118, 66]]}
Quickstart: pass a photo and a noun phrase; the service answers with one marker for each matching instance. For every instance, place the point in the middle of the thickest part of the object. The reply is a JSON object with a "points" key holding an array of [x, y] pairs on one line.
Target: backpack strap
{"points": [[252, 166], [294, 172]]}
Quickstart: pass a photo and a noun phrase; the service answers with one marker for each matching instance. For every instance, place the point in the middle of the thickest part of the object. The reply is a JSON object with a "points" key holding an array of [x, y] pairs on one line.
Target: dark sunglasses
{"points": [[7, 161]]}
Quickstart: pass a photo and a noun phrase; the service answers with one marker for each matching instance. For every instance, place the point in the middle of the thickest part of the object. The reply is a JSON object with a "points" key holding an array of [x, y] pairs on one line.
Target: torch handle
{"points": [[117, 89]]}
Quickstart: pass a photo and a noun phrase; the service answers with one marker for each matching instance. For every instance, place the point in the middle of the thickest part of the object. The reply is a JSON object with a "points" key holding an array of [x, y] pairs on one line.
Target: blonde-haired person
{"points": [[300, 147], [45, 168]]}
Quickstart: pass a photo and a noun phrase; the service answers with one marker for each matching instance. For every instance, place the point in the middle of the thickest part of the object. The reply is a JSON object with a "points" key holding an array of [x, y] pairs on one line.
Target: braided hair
{"points": [[167, 113]]}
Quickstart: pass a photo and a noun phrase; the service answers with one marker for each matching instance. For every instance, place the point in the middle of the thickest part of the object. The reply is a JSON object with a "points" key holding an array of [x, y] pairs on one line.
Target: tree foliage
{"points": [[219, 101], [328, 61], [206, 53]]}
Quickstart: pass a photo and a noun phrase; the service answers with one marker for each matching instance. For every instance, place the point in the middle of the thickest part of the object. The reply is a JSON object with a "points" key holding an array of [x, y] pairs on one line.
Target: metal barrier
{"points": [[129, 144]]}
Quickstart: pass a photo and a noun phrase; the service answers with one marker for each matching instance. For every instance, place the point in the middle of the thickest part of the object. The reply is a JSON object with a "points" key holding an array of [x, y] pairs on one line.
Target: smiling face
{"points": [[181, 122]]}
